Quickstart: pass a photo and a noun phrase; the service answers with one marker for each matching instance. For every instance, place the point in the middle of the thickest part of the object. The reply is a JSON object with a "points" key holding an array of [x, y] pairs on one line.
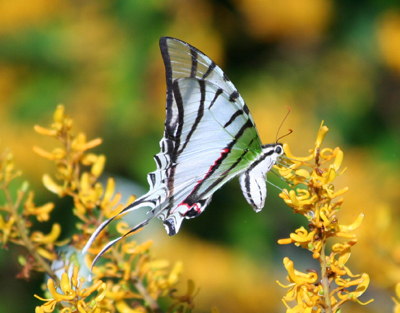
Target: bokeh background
{"points": [[337, 61]]}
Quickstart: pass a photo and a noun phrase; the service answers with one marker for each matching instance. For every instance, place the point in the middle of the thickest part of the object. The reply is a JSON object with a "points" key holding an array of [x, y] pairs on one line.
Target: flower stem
{"points": [[325, 279], [147, 298], [23, 232]]}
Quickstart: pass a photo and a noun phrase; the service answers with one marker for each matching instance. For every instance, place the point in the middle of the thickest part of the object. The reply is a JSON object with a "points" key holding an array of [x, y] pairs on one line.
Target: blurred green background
{"points": [[337, 61]]}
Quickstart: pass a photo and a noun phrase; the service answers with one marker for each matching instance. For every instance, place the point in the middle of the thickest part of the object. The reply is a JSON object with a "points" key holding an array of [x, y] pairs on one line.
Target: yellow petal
{"points": [[42, 212], [65, 283], [91, 144], [289, 154], [50, 238], [173, 277], [101, 292], [49, 183], [116, 199], [302, 235], [59, 297], [122, 306], [160, 264], [46, 254], [338, 160], [43, 153], [81, 306], [98, 188], [302, 172], [88, 291], [98, 166], [285, 241], [398, 290], [320, 136], [353, 226], [123, 228], [330, 176], [141, 248], [74, 278], [58, 153], [44, 131], [296, 276], [85, 181], [89, 159], [79, 206], [58, 116], [337, 269]]}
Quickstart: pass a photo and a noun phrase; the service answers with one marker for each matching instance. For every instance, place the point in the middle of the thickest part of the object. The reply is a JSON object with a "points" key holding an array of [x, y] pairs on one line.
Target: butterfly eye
{"points": [[278, 150]]}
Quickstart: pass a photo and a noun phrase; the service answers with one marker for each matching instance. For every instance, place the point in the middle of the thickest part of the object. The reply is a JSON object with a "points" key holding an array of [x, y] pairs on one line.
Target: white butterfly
{"points": [[209, 138]]}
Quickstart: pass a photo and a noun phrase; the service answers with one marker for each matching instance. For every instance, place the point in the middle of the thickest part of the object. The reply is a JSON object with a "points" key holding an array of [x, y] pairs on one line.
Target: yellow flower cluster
{"points": [[73, 295], [132, 275], [15, 221], [78, 171], [128, 279], [319, 203]]}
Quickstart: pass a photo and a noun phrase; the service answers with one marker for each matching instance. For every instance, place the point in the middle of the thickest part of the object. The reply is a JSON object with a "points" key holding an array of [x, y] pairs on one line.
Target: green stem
{"points": [[147, 298], [325, 279], [23, 232], [138, 284]]}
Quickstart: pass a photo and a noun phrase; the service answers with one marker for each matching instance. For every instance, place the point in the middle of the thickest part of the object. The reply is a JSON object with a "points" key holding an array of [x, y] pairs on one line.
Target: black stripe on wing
{"points": [[167, 61], [210, 69], [262, 158], [196, 57], [217, 94], [234, 116], [200, 112], [224, 174], [194, 196], [170, 124], [193, 71]]}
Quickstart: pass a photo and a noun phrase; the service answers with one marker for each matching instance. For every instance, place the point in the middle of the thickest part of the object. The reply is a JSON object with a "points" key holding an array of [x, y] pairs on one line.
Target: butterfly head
{"points": [[273, 152]]}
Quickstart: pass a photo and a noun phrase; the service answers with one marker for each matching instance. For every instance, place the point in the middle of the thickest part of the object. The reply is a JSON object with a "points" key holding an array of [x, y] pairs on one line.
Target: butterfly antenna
{"points": [[274, 185], [277, 175], [290, 131], [283, 190]]}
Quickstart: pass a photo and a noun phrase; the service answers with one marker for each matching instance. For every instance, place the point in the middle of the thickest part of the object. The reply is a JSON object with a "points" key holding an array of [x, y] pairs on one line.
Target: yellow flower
{"points": [[188, 298], [7, 228], [302, 288], [319, 203], [133, 281], [42, 213], [40, 238], [72, 296]]}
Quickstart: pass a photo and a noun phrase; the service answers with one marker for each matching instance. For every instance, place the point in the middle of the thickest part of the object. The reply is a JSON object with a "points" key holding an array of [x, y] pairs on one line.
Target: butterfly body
{"points": [[209, 138]]}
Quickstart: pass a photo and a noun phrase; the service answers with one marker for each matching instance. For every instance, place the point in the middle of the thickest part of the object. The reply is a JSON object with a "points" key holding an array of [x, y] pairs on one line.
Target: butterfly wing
{"points": [[210, 129], [213, 141], [209, 138], [182, 60]]}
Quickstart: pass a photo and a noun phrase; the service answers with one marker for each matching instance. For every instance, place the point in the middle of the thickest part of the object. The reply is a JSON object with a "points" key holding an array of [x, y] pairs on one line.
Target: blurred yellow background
{"points": [[337, 61]]}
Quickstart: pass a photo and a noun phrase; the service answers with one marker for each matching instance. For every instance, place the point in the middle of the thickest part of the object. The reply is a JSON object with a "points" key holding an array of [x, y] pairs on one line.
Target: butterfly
{"points": [[209, 138]]}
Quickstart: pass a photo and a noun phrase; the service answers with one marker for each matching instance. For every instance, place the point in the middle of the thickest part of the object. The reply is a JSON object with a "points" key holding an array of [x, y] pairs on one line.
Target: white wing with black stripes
{"points": [[209, 138]]}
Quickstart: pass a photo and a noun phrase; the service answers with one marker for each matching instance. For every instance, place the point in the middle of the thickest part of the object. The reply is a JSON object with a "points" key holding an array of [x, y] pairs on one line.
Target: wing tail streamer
{"points": [[112, 242]]}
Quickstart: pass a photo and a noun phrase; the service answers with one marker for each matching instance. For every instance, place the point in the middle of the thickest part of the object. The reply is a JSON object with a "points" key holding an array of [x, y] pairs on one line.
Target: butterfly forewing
{"points": [[183, 60], [212, 147]]}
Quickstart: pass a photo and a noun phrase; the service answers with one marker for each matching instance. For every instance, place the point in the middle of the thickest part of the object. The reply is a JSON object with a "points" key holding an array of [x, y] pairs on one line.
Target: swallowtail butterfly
{"points": [[209, 138]]}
